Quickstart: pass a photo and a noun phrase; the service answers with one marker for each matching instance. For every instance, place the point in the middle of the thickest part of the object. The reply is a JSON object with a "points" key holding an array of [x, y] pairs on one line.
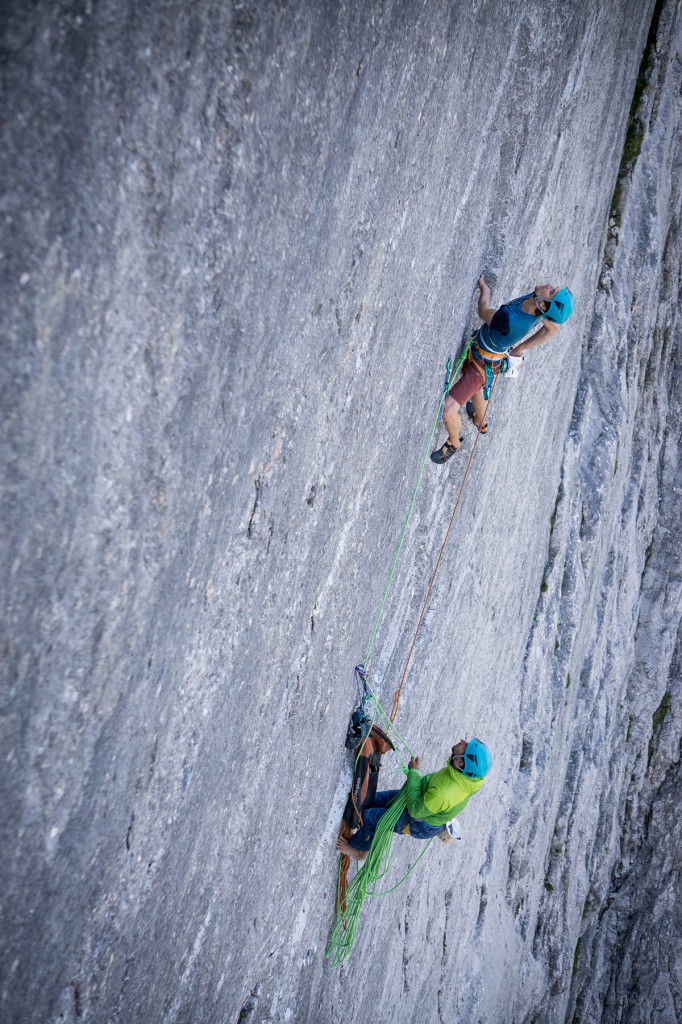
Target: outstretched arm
{"points": [[416, 807], [485, 310], [547, 331]]}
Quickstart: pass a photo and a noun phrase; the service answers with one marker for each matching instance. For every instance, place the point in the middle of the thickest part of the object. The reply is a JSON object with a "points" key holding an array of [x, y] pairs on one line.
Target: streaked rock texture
{"points": [[239, 242]]}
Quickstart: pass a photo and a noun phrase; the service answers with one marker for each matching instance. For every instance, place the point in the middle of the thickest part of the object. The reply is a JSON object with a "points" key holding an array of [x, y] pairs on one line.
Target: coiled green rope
{"points": [[376, 865]]}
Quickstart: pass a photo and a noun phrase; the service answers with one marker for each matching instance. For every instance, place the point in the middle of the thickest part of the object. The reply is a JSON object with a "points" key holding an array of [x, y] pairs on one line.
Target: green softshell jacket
{"points": [[439, 797]]}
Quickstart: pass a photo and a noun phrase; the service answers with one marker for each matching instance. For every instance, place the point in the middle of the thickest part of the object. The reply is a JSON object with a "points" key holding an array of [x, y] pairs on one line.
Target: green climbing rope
{"points": [[363, 885], [384, 718], [378, 860], [451, 376]]}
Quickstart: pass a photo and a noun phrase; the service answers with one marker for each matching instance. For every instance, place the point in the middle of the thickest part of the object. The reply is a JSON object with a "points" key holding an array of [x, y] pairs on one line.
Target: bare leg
{"points": [[344, 847], [479, 408], [452, 421]]}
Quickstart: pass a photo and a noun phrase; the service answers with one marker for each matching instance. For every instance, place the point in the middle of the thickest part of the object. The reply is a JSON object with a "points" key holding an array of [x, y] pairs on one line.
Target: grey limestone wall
{"points": [[239, 241]]}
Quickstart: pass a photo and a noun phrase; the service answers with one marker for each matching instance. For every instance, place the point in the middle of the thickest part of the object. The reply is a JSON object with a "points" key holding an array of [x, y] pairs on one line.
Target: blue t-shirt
{"points": [[509, 325]]}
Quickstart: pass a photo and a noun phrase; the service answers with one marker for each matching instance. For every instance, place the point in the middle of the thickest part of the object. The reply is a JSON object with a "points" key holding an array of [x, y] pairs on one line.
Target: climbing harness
{"points": [[489, 366], [351, 896]]}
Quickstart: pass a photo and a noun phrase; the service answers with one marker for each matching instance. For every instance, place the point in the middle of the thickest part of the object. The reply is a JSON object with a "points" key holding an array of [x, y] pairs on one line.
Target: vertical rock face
{"points": [[612, 611], [238, 244], [627, 966]]}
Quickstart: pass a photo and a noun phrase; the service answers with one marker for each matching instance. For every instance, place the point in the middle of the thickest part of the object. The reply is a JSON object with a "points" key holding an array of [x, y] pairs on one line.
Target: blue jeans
{"points": [[405, 824]]}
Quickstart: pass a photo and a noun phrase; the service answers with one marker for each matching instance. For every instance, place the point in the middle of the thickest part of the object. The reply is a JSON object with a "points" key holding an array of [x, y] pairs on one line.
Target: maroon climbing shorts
{"points": [[468, 384]]}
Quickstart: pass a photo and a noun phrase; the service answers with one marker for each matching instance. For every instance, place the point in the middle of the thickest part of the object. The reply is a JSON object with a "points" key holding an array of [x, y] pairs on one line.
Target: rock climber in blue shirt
{"points": [[500, 335]]}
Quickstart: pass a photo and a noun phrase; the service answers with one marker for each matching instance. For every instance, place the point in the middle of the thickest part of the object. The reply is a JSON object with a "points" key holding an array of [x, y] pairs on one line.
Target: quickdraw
{"points": [[363, 716], [488, 367]]}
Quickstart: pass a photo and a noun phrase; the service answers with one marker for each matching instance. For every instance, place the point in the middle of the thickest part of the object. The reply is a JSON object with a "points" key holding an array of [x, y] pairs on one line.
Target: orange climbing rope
{"points": [[398, 692], [345, 831]]}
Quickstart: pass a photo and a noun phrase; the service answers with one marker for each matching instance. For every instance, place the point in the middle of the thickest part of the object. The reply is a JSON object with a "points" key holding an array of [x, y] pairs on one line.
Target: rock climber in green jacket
{"points": [[432, 800]]}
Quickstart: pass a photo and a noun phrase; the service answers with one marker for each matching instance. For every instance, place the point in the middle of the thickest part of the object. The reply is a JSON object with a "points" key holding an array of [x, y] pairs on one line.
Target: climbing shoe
{"points": [[471, 413], [445, 452]]}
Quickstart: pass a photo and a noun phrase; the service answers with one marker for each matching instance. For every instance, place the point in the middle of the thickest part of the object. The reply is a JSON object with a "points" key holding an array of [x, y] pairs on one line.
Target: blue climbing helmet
{"points": [[477, 760], [560, 308]]}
